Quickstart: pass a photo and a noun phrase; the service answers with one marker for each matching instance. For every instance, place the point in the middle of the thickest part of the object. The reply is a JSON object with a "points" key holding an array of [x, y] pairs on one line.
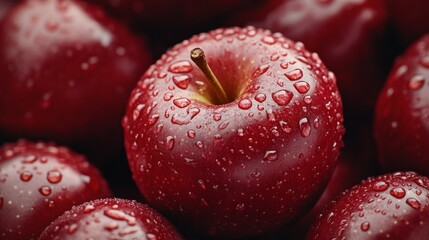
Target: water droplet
{"points": [[245, 104], [268, 40], [181, 102], [240, 207], [316, 123], [260, 97], [285, 126], [380, 186], [294, 75], [421, 183], [217, 138], [270, 115], [202, 184], [199, 144], [191, 133], [365, 226], [45, 190], [168, 96], [302, 87], [284, 65], [182, 81], [169, 143], [307, 99], [304, 127], [255, 174], [240, 132], [270, 155], [217, 117], [223, 125], [52, 26], [29, 159], [54, 176], [397, 192], [425, 61], [261, 70], [153, 119], [88, 208], [282, 97], [181, 67], [72, 228], [119, 215], [26, 176], [414, 203], [111, 226], [416, 82], [274, 57]]}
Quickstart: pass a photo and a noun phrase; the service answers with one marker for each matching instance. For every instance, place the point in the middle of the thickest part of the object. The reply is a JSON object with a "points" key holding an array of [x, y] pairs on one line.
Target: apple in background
{"points": [[408, 18], [393, 206], [346, 34], [402, 111], [5, 5], [66, 73], [239, 142], [38, 182], [111, 219]]}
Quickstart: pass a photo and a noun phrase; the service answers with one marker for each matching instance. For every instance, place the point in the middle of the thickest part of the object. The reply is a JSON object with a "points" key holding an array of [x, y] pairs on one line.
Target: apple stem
{"points": [[198, 57]]}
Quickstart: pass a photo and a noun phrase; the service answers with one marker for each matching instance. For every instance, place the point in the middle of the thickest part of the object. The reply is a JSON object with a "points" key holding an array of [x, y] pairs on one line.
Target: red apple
{"points": [[401, 115], [393, 206], [5, 5], [346, 34], [38, 182], [242, 155], [66, 72], [111, 219], [408, 18]]}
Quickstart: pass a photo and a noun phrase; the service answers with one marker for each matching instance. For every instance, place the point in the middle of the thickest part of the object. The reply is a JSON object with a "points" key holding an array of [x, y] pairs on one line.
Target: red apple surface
{"points": [[242, 161], [5, 5], [392, 206], [346, 34], [38, 182], [111, 219], [66, 72], [401, 115], [408, 18]]}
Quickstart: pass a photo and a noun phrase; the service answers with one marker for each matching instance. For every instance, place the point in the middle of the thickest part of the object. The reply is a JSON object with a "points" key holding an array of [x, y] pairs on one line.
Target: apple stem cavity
{"points": [[199, 58]]}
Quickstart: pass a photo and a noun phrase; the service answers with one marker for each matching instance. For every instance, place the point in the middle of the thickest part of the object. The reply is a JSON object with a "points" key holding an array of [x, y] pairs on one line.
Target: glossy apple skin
{"points": [[346, 34], [111, 218], [244, 167], [5, 5], [392, 206], [401, 114], [38, 182], [408, 19], [67, 71]]}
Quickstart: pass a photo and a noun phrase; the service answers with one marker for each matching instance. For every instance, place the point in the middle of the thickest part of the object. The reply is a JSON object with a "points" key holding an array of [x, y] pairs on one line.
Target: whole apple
{"points": [[401, 115], [38, 182], [111, 218], [346, 34], [66, 72], [239, 142], [392, 206]]}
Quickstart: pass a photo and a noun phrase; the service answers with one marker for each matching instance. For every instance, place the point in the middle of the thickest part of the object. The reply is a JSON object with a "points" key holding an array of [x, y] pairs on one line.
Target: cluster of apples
{"points": [[234, 133]]}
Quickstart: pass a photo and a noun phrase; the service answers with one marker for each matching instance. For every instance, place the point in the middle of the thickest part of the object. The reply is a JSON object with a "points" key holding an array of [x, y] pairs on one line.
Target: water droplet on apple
{"points": [[54, 176], [421, 183], [190, 162], [29, 159], [191, 134], [282, 97], [88, 208], [284, 65], [169, 142], [202, 184], [416, 82], [240, 132], [72, 228], [274, 57], [285, 127], [153, 119], [182, 81], [302, 87], [45, 190], [268, 40], [181, 67], [240, 207], [260, 97], [159, 127], [51, 26], [425, 61], [245, 104], [181, 102], [111, 226], [217, 138], [261, 70], [380, 186], [308, 99], [179, 120], [304, 127], [294, 75], [270, 115], [121, 216], [217, 117], [270, 155], [168, 96], [397, 192], [199, 144], [414, 203], [26, 176], [255, 174], [223, 125], [365, 226]]}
